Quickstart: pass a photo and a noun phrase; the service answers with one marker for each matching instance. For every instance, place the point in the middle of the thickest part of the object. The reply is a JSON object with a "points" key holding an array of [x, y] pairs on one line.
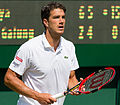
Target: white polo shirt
{"points": [[43, 69]]}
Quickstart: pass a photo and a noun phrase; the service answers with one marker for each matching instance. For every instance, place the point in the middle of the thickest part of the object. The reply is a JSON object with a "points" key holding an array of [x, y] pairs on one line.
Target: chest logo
{"points": [[66, 57]]}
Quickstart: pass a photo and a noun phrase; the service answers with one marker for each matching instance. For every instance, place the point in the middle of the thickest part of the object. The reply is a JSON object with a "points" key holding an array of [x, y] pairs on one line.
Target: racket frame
{"points": [[82, 83]]}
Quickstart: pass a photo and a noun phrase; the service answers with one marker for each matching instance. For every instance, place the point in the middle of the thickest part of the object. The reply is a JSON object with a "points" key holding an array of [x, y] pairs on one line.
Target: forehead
{"points": [[57, 11]]}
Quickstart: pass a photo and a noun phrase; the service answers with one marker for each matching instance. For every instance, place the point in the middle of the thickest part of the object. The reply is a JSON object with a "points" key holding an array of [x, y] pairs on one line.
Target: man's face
{"points": [[56, 21]]}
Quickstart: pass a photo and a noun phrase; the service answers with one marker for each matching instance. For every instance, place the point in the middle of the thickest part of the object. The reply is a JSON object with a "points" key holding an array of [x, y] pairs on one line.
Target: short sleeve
{"points": [[21, 60], [74, 61]]}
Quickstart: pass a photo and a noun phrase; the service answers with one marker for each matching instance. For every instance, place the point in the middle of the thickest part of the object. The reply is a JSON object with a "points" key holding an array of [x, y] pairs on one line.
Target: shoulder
{"points": [[67, 43], [32, 43]]}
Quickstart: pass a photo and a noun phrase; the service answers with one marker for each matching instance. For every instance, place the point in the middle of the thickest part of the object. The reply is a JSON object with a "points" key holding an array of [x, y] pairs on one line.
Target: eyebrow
{"points": [[56, 16]]}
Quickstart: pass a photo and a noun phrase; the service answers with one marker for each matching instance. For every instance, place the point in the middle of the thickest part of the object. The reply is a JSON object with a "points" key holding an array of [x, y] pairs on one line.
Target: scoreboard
{"points": [[87, 22]]}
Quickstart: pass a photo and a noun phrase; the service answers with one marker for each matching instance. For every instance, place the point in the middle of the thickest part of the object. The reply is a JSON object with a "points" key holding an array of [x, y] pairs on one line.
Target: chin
{"points": [[60, 32]]}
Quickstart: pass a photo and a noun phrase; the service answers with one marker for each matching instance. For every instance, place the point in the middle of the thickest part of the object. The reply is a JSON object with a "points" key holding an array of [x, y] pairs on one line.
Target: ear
{"points": [[45, 21]]}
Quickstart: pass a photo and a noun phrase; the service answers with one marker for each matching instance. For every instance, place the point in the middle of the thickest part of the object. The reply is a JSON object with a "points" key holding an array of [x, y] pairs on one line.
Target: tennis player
{"points": [[46, 62]]}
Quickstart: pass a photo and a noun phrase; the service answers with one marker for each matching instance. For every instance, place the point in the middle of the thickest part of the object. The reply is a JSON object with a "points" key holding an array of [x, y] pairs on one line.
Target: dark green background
{"points": [[88, 54]]}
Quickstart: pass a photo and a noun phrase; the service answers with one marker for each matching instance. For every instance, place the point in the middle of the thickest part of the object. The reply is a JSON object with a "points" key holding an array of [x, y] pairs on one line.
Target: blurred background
{"points": [[93, 27]]}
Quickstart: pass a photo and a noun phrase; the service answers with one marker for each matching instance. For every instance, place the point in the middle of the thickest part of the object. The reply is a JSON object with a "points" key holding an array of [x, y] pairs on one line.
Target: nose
{"points": [[61, 20]]}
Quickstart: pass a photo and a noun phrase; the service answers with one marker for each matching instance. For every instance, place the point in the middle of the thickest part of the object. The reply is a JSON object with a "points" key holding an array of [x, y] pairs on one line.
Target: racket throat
{"points": [[66, 93]]}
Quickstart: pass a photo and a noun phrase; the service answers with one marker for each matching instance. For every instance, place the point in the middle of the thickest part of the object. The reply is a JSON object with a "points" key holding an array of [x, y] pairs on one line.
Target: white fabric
{"points": [[42, 68]]}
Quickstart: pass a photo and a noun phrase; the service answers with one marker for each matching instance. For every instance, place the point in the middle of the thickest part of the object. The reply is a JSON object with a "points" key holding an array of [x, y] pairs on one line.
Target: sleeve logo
{"points": [[19, 59]]}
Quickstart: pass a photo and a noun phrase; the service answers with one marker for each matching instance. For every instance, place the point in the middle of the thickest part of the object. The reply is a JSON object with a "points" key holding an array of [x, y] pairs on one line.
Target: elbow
{"points": [[6, 81], [8, 78]]}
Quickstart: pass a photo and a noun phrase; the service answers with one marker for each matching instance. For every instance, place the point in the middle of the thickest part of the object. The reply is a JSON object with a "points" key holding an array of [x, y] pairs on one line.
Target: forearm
{"points": [[13, 82], [72, 80]]}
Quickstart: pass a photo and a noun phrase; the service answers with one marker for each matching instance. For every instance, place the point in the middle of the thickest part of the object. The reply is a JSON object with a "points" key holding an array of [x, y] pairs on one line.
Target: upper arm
{"points": [[10, 76]]}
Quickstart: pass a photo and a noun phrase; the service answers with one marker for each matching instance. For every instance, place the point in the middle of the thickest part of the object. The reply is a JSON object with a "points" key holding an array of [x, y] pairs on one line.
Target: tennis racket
{"points": [[92, 83]]}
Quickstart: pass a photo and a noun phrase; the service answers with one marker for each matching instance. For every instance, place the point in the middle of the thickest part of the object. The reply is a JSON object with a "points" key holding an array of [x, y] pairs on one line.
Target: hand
{"points": [[45, 98], [76, 91], [83, 87]]}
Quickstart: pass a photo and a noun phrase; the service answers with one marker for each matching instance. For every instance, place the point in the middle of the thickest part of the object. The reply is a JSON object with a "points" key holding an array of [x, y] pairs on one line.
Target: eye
{"points": [[63, 17], [56, 17]]}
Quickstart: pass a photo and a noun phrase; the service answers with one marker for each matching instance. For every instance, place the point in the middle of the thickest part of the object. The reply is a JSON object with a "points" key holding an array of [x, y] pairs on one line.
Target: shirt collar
{"points": [[47, 45], [45, 42]]}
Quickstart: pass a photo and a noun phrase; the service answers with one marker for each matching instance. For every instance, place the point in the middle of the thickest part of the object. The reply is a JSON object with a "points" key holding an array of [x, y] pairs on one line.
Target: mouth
{"points": [[61, 27]]}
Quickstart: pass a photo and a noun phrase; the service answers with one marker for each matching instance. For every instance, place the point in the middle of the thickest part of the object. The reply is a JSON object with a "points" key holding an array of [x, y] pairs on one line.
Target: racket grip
{"points": [[59, 95]]}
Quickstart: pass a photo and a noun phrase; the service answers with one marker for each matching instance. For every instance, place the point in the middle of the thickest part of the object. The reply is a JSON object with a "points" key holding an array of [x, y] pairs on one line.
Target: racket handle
{"points": [[59, 95]]}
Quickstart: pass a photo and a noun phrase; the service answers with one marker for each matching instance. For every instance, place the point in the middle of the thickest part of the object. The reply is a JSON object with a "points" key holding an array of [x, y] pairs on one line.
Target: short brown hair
{"points": [[45, 11]]}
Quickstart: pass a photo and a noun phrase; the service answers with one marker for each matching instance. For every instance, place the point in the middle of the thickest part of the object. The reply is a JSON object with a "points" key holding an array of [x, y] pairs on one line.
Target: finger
{"points": [[81, 79], [83, 88], [49, 102], [52, 99], [71, 93], [76, 93]]}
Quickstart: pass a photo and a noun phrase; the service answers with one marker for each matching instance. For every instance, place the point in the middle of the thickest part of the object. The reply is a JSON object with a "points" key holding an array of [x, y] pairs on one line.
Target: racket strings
{"points": [[98, 80]]}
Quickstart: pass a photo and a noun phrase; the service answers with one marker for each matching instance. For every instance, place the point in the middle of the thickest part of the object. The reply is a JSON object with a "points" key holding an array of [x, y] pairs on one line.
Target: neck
{"points": [[53, 40]]}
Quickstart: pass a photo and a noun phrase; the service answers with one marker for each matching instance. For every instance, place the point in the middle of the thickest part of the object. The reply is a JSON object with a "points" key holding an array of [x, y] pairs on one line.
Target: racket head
{"points": [[96, 81]]}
